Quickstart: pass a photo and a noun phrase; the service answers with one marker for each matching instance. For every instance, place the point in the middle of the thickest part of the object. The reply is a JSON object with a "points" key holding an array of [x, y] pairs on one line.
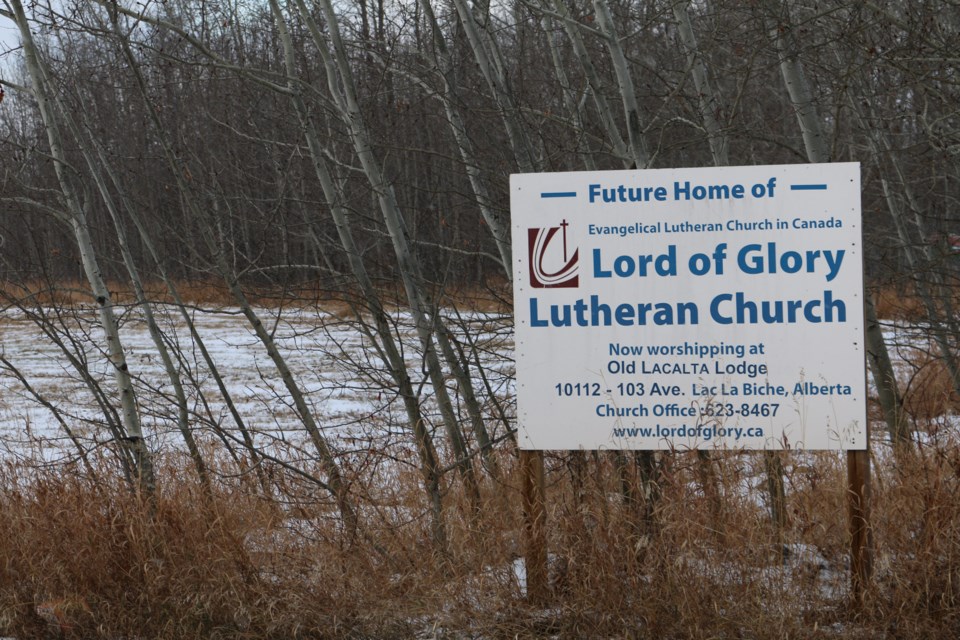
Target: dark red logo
{"points": [[552, 266]]}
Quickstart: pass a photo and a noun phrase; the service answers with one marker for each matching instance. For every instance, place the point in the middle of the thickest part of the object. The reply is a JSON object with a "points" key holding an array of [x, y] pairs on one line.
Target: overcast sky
{"points": [[9, 39], [8, 32]]}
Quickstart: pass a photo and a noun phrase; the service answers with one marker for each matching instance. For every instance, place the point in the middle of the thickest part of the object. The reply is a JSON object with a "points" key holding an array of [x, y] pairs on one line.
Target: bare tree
{"points": [[74, 213]]}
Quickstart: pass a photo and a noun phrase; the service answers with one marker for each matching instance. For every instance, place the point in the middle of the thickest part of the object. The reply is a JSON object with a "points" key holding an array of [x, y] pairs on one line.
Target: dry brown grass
{"points": [[86, 559], [929, 392], [208, 293], [192, 566], [899, 302], [495, 297]]}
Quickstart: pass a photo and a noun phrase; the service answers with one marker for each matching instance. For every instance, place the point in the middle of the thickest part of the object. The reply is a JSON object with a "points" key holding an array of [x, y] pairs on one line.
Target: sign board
{"points": [[690, 308]]}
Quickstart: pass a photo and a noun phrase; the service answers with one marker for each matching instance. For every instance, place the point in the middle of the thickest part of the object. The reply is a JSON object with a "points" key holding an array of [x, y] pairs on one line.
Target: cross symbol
{"points": [[563, 227]]}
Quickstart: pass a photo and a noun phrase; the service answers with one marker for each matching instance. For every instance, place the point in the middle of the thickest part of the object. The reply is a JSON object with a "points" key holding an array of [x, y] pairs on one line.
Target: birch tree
{"points": [[74, 214], [343, 92], [335, 482], [383, 337]]}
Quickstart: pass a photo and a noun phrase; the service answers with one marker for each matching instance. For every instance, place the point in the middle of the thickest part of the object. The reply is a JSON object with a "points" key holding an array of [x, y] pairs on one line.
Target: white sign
{"points": [[690, 308]]}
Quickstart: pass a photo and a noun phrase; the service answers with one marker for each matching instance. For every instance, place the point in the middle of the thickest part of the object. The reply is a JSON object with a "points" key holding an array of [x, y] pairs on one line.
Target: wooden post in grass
{"points": [[535, 529], [861, 539]]}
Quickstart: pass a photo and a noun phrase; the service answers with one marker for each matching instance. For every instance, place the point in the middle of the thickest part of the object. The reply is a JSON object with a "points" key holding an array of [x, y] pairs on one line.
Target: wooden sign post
{"points": [[861, 538], [534, 520]]}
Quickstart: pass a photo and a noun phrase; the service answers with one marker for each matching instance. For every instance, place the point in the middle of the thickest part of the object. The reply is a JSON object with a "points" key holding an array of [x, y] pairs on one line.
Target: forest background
{"points": [[165, 160]]}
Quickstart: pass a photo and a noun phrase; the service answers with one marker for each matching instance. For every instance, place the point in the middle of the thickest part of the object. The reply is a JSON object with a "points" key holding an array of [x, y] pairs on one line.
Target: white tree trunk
{"points": [[340, 81], [499, 228], [429, 464], [597, 88], [707, 98], [628, 95], [570, 101], [335, 481], [490, 61], [78, 222]]}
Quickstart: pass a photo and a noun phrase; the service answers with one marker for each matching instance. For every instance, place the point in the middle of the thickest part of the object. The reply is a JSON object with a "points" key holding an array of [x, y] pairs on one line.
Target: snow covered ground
{"points": [[333, 362]]}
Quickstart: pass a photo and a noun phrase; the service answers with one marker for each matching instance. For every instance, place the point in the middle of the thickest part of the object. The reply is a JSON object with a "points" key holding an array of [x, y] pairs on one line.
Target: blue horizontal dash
{"points": [[808, 187], [559, 194]]}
